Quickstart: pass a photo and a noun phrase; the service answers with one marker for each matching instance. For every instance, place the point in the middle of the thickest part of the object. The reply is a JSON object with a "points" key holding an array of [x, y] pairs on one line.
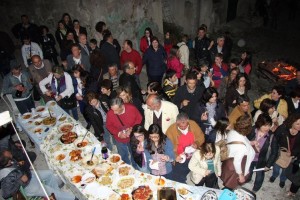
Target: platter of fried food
{"points": [[125, 170], [75, 155], [142, 193], [68, 138], [125, 182], [65, 127], [49, 121]]}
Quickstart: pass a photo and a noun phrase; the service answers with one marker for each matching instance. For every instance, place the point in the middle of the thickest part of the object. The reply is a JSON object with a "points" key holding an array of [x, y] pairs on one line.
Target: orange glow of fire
{"points": [[286, 72]]}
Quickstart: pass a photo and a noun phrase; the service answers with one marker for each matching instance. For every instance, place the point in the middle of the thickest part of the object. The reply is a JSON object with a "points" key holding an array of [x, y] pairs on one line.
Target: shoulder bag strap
{"points": [[288, 143], [120, 120], [235, 142]]}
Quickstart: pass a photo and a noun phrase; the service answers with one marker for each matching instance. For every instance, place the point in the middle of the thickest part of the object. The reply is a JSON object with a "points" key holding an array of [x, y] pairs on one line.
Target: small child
{"points": [[205, 166], [206, 75]]}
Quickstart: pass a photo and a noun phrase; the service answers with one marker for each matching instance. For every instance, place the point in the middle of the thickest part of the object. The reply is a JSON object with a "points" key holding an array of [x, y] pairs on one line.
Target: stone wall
{"points": [[127, 19]]}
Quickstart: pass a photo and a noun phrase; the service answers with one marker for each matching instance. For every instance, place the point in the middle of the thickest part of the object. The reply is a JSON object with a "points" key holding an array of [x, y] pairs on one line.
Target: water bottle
{"points": [[104, 153]]}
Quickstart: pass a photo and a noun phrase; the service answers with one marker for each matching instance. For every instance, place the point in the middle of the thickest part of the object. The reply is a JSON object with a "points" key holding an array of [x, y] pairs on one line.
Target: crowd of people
{"points": [[191, 124]]}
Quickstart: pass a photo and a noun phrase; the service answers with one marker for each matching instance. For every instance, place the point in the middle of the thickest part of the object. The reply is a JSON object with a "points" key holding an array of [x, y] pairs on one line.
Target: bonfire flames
{"points": [[280, 69]]}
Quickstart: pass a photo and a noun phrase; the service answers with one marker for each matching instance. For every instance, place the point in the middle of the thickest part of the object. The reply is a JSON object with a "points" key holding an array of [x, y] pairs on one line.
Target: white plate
{"points": [[51, 104], [97, 191], [38, 129], [25, 114], [79, 140], [131, 170], [40, 109], [113, 156], [87, 158], [88, 178], [65, 124]]}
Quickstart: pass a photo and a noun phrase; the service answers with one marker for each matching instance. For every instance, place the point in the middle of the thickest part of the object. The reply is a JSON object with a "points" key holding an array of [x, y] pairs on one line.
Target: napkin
{"points": [[183, 158], [153, 164]]}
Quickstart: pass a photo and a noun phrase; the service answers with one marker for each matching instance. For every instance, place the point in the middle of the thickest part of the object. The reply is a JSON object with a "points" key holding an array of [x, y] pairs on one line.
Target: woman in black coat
{"points": [[208, 111], [260, 140]]}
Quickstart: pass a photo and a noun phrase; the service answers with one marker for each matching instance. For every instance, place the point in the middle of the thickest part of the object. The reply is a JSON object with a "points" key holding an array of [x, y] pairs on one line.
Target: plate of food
{"points": [[125, 170], [81, 143], [65, 127], [114, 158], [38, 122], [182, 191], [75, 155], [125, 182], [88, 178], [75, 176], [26, 116], [142, 193], [36, 116], [88, 163], [29, 122], [160, 181], [105, 180], [40, 109], [60, 156], [49, 121], [38, 130], [51, 103], [68, 138], [103, 169], [62, 118]]}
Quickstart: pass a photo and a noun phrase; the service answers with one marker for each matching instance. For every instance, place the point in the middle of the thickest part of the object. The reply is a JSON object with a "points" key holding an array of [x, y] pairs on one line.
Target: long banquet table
{"points": [[51, 146]]}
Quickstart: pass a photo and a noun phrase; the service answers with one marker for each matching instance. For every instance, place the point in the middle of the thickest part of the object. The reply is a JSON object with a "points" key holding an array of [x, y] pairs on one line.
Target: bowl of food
{"points": [[182, 191], [38, 122], [68, 138], [62, 118], [81, 142], [49, 121], [115, 158], [60, 156], [26, 116], [38, 130], [142, 193], [36, 116], [87, 162], [40, 109], [75, 155], [160, 181], [65, 127]]}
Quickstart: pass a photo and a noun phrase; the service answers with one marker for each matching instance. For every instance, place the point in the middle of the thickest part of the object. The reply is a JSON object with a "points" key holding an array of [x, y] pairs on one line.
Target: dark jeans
{"points": [[25, 105], [74, 112], [294, 188], [209, 181], [125, 152], [108, 139], [180, 171], [259, 178], [276, 170], [157, 78]]}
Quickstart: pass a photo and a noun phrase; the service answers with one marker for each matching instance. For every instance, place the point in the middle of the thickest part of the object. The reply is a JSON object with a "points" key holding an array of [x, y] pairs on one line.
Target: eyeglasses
{"points": [[154, 137], [138, 136]]}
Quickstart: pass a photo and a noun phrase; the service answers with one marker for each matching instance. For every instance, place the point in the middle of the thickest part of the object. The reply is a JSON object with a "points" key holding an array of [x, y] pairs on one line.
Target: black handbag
{"points": [[68, 102]]}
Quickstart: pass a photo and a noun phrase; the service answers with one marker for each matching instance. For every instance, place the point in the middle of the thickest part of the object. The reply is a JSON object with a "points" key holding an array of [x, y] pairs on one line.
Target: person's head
{"points": [[243, 102], [138, 134], [241, 80], [267, 106], [100, 26], [154, 42], [106, 86], [184, 38], [148, 32], [182, 121], [66, 18], [233, 73], [113, 69], [293, 122], [76, 24], [61, 25], [92, 98], [167, 35], [36, 61], [201, 32], [70, 35], [44, 30], [203, 66], [57, 71], [155, 134], [219, 59], [220, 41], [75, 49], [15, 67], [26, 39], [117, 106], [6, 158], [263, 123], [234, 62], [82, 39], [210, 95], [129, 67], [124, 92], [93, 43], [174, 51], [222, 126], [207, 150], [295, 93], [25, 19], [171, 76], [154, 88], [127, 46], [153, 102], [77, 70], [243, 125], [107, 36], [191, 81], [278, 92]]}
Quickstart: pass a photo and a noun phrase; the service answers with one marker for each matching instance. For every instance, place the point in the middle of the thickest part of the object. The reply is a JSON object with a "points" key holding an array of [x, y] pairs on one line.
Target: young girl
{"points": [[159, 149], [205, 165]]}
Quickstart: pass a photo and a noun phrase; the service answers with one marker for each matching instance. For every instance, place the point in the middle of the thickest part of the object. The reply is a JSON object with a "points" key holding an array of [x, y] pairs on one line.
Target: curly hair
{"points": [[206, 148], [243, 125], [291, 120]]}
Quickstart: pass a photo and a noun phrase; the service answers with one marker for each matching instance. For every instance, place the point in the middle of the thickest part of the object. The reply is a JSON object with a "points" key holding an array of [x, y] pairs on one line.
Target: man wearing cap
{"points": [[17, 84], [39, 69]]}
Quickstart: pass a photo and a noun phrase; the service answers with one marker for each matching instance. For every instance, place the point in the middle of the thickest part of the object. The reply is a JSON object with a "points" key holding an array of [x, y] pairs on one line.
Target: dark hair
{"points": [[242, 98], [207, 94], [203, 63], [219, 55], [291, 119], [153, 39], [262, 120], [235, 61], [75, 45], [90, 96], [155, 86], [66, 14], [173, 51], [93, 41], [75, 20], [125, 89], [99, 26], [266, 104], [243, 124], [44, 27], [206, 148], [191, 76], [129, 42], [237, 79], [280, 90], [24, 16], [97, 59], [138, 128], [150, 31], [295, 92], [247, 60], [156, 129], [106, 34], [221, 126], [201, 28], [107, 84], [77, 68], [170, 73], [3, 159]]}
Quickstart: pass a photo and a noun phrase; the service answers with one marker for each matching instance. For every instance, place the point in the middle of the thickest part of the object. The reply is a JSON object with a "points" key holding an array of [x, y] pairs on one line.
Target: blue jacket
{"points": [[155, 61]]}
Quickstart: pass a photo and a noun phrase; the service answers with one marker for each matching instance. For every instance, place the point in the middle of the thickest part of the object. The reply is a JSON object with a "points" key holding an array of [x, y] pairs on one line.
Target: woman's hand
{"points": [[79, 97], [48, 93], [140, 147], [165, 158], [242, 178], [178, 158], [207, 172]]}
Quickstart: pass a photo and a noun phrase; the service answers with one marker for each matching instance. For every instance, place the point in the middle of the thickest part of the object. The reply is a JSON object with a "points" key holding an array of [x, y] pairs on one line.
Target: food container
{"points": [[166, 193], [142, 192]]}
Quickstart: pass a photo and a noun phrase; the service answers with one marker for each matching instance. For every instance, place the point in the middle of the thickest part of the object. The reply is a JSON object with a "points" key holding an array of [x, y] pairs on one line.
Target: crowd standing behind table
{"points": [[78, 174]]}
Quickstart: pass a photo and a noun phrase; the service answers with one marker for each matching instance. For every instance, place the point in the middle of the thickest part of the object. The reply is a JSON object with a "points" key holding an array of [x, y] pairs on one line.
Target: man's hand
{"points": [[242, 178], [207, 172], [58, 98], [48, 93], [178, 158], [194, 145], [24, 178], [185, 103], [79, 97], [122, 134]]}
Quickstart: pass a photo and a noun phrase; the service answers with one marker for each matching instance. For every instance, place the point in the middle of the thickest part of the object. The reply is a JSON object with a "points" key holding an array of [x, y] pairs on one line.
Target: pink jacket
{"points": [[175, 64]]}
